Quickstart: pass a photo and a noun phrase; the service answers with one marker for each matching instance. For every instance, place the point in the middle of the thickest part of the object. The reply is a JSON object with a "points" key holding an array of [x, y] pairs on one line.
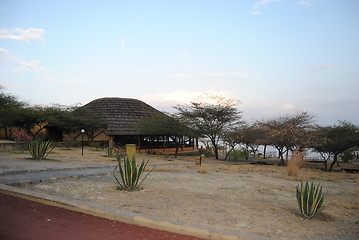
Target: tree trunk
{"points": [[215, 150], [334, 161], [264, 151], [6, 134], [326, 164], [177, 147], [281, 158], [230, 150]]}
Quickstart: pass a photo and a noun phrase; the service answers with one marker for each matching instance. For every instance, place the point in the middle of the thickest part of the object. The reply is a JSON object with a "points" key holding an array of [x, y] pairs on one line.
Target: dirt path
{"points": [[22, 219]]}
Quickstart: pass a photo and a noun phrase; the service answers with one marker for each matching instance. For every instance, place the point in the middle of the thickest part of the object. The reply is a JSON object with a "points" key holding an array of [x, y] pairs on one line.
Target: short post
{"points": [[131, 151], [82, 141], [198, 161], [201, 159]]}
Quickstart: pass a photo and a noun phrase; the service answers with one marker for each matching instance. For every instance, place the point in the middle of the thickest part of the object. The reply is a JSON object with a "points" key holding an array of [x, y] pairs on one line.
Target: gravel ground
{"points": [[250, 199]]}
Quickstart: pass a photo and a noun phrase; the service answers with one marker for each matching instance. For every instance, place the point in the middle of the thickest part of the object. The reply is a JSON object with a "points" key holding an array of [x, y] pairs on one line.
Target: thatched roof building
{"points": [[122, 114]]}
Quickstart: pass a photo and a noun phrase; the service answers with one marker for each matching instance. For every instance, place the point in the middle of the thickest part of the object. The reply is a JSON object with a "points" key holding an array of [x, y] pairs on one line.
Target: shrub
{"points": [[22, 137], [109, 152], [237, 154], [346, 156], [40, 149], [310, 199], [130, 173]]}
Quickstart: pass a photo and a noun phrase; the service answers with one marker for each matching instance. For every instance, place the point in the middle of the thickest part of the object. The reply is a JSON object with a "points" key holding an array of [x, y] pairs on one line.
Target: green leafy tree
{"points": [[165, 126], [83, 118], [11, 113], [211, 120], [336, 139]]}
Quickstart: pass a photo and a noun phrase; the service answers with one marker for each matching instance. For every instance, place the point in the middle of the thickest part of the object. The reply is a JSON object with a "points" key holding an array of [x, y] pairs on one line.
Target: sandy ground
{"points": [[246, 198]]}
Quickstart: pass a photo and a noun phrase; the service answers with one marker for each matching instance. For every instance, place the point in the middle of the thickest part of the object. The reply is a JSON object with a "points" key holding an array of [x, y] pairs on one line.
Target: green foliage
{"points": [[211, 120], [40, 149], [346, 156], [206, 152], [310, 199], [130, 173], [237, 154], [109, 152], [336, 139], [114, 152]]}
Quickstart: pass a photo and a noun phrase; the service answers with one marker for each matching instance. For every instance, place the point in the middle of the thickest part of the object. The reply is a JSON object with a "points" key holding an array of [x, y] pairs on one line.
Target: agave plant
{"points": [[310, 199], [40, 149], [130, 173]]}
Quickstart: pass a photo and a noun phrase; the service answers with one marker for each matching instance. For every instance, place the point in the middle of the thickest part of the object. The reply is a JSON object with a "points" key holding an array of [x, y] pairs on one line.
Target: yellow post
{"points": [[131, 151]]}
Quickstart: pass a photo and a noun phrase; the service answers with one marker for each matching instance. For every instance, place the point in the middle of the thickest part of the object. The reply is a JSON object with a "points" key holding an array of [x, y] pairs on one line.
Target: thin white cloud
{"points": [[306, 3], [228, 74], [263, 3], [30, 66], [180, 97], [4, 56], [180, 75], [288, 106], [256, 13], [122, 42], [25, 35], [210, 75], [19, 64], [74, 80], [317, 68]]}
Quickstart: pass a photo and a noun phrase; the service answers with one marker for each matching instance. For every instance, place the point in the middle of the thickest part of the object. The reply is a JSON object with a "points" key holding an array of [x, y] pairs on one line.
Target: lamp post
{"points": [[82, 142]]}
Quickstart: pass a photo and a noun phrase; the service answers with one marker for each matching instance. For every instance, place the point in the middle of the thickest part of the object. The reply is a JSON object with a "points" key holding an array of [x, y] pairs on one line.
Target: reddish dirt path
{"points": [[26, 220]]}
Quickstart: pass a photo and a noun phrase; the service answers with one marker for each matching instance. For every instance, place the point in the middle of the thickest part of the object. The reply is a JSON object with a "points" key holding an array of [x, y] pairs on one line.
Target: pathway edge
{"points": [[128, 217]]}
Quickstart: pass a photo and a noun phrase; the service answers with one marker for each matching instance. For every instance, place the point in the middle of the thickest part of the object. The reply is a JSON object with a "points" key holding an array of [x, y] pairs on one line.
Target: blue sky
{"points": [[275, 56]]}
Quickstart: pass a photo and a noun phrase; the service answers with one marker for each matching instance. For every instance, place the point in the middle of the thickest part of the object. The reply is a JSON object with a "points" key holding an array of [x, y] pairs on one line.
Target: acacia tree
{"points": [[333, 140], [211, 120], [231, 139], [83, 118], [16, 114], [288, 133], [250, 136], [164, 125]]}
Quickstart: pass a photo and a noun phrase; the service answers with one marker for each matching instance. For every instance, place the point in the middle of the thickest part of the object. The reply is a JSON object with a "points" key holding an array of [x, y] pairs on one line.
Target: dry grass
{"points": [[202, 170], [295, 164], [346, 205], [257, 199]]}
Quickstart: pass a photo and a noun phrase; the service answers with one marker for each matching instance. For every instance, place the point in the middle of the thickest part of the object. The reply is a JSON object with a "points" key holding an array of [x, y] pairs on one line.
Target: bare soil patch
{"points": [[246, 198]]}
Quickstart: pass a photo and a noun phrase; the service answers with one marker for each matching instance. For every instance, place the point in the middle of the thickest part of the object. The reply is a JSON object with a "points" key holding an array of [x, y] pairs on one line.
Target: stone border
{"points": [[129, 217]]}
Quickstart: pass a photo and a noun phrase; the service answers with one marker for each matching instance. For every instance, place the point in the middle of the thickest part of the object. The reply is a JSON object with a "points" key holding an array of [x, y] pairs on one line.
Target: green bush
{"points": [[40, 149], [130, 173], [238, 154], [346, 156], [109, 152], [310, 199]]}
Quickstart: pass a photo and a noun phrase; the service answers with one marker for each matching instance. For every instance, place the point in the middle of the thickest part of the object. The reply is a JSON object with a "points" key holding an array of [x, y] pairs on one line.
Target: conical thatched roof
{"points": [[121, 114]]}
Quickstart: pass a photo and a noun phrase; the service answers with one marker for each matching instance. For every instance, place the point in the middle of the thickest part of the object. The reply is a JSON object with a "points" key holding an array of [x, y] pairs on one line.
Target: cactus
{"points": [[130, 173], [39, 149], [310, 199]]}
